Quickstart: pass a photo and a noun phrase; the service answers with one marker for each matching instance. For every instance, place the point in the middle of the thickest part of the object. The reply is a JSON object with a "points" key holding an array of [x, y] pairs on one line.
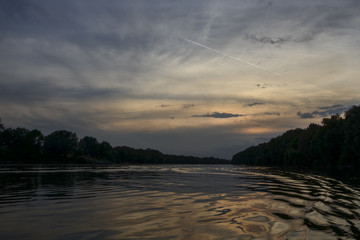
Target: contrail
{"points": [[235, 58], [331, 92]]}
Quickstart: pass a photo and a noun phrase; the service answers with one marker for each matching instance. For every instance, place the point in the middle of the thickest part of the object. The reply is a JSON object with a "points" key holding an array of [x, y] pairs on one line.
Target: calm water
{"points": [[175, 202]]}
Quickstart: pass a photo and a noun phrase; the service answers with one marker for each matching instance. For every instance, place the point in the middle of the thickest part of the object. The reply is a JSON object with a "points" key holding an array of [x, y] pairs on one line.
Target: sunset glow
{"points": [[184, 77]]}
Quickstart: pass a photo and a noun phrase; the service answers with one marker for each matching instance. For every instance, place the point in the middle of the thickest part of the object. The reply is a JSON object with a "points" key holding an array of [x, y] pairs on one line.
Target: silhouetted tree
{"points": [[334, 143], [89, 146], [21, 145], [106, 151], [351, 152], [2, 127], [61, 145]]}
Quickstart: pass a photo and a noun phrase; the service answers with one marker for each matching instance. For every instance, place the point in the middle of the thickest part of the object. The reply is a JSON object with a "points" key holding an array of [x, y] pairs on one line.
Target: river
{"points": [[175, 202]]}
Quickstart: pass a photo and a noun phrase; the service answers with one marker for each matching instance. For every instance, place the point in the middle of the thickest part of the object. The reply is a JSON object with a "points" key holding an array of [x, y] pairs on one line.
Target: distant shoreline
{"points": [[23, 146]]}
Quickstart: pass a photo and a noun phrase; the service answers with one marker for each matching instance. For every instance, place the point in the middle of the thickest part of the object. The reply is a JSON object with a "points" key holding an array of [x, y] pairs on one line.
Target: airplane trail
{"points": [[331, 92], [229, 56]]}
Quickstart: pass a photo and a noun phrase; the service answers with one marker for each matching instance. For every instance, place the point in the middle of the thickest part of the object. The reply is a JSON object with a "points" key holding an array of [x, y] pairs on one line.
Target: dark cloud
{"points": [[255, 103], [260, 85], [307, 21], [327, 111], [305, 115], [40, 92], [267, 40], [331, 107], [218, 115], [272, 113], [188, 105], [267, 114], [165, 105]]}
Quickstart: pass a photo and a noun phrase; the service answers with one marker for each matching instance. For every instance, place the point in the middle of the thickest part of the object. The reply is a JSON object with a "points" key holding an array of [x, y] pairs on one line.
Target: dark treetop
{"points": [[335, 143]]}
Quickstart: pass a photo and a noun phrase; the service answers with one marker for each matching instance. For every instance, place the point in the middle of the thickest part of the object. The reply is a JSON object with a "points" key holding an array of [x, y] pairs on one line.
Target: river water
{"points": [[175, 202]]}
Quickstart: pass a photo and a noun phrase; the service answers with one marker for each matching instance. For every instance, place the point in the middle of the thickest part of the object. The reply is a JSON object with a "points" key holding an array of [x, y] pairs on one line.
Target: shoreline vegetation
{"points": [[335, 144], [23, 146]]}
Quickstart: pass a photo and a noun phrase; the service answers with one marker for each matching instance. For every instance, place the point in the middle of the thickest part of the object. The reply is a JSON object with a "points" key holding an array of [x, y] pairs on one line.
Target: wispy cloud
{"points": [[218, 115], [188, 105], [255, 104], [332, 107], [267, 40], [272, 113], [261, 85], [165, 105]]}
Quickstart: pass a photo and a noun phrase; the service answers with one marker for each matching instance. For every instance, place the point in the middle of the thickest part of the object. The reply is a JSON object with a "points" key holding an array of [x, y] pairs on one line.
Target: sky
{"points": [[202, 78]]}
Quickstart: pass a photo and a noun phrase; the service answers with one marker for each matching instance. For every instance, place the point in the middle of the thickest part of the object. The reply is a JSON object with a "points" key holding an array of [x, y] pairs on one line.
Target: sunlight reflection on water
{"points": [[175, 202]]}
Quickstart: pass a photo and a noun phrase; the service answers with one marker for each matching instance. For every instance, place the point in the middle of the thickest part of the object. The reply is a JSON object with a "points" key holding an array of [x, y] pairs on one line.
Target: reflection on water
{"points": [[175, 202]]}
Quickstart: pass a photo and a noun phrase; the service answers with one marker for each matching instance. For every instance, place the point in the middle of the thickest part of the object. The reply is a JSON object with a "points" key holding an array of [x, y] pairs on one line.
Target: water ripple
{"points": [[176, 202]]}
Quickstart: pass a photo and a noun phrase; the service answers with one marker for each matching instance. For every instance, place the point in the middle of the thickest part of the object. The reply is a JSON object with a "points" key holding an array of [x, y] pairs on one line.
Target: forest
{"points": [[335, 143], [23, 146]]}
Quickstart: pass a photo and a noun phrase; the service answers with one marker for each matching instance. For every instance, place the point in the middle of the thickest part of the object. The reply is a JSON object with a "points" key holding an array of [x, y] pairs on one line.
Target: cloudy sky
{"points": [[185, 77]]}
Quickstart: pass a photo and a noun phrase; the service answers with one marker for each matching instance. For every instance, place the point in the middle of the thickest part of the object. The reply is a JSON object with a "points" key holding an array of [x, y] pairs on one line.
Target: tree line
{"points": [[334, 143], [23, 146]]}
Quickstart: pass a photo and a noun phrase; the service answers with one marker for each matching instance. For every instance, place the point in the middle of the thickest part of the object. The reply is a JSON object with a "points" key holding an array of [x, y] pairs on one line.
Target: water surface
{"points": [[175, 202]]}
